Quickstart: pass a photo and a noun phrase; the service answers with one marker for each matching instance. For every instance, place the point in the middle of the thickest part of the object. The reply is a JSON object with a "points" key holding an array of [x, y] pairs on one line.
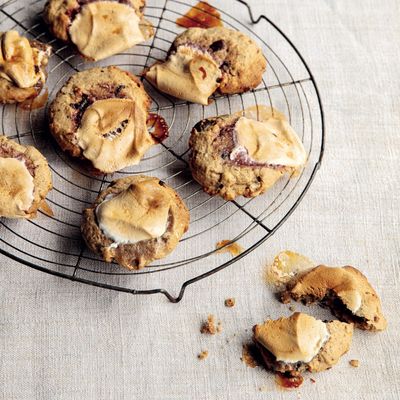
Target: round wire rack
{"points": [[53, 244]]}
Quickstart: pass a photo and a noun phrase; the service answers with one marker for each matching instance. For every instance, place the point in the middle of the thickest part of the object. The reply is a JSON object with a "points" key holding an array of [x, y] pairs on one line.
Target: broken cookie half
{"points": [[300, 343], [345, 291]]}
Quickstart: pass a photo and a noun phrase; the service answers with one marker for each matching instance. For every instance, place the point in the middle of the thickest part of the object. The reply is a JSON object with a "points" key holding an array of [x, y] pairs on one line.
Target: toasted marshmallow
{"points": [[188, 74], [16, 188], [272, 142], [104, 28], [139, 213], [113, 134], [261, 113], [298, 338], [19, 61], [353, 300]]}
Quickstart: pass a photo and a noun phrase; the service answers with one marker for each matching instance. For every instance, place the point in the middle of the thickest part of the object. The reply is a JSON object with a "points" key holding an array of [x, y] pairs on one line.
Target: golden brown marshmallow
{"points": [[18, 60], [110, 127], [188, 74], [272, 142], [104, 28], [297, 338], [139, 213], [261, 113], [16, 188]]}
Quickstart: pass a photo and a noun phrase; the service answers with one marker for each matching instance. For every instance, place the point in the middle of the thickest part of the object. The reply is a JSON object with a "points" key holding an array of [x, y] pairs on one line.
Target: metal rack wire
{"points": [[52, 244]]}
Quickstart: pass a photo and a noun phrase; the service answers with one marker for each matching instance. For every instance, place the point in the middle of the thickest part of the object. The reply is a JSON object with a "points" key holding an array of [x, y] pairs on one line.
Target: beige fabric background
{"points": [[63, 340]]}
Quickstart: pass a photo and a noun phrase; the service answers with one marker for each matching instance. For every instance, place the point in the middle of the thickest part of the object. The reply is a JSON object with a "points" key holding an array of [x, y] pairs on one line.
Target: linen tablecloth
{"points": [[63, 340]]}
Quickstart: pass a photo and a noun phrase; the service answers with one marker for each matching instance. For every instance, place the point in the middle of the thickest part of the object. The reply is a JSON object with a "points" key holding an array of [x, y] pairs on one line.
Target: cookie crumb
{"points": [[230, 302], [209, 327], [312, 380], [203, 355], [292, 308], [249, 356], [262, 388], [354, 363]]}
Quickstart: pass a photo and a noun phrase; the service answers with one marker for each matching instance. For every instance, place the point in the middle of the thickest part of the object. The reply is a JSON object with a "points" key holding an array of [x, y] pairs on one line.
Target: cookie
{"points": [[301, 343], [237, 154], [345, 291], [202, 61], [135, 221], [100, 115], [25, 179], [98, 29], [22, 67]]}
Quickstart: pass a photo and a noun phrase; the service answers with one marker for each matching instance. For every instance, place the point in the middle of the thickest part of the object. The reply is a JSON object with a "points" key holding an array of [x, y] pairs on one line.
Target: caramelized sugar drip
{"points": [[285, 266], [46, 209], [202, 15], [234, 248], [288, 382], [158, 127], [35, 103]]}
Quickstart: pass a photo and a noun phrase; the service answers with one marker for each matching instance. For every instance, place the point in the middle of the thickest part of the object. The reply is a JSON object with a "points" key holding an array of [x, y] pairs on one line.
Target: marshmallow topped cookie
{"points": [[135, 221], [301, 343], [201, 61], [100, 115], [237, 154], [22, 67], [25, 179], [98, 28], [345, 291]]}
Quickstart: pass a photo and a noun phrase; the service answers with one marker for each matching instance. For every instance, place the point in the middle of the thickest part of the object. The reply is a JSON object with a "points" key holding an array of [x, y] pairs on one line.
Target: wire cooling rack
{"points": [[53, 244]]}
